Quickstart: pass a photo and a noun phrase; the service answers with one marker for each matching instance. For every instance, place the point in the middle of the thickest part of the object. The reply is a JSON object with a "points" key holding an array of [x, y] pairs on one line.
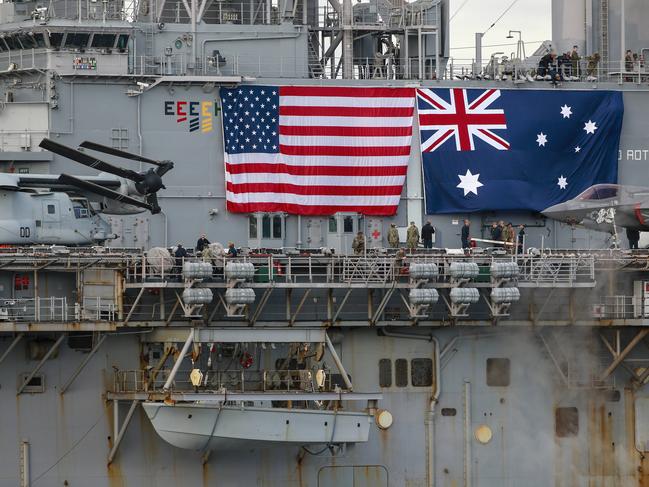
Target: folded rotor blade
{"points": [[164, 168], [89, 161], [101, 191], [152, 200], [116, 152]]}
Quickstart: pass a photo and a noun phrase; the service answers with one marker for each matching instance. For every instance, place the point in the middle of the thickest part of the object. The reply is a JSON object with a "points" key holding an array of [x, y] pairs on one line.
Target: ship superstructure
{"points": [[296, 363]]}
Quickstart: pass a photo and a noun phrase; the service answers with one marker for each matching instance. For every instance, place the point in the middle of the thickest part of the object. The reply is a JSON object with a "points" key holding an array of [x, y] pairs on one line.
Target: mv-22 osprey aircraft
{"points": [[56, 209], [605, 207]]}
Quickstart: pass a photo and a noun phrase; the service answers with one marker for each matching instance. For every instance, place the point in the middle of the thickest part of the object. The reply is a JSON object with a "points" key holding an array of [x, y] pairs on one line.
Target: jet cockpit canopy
{"points": [[599, 192]]}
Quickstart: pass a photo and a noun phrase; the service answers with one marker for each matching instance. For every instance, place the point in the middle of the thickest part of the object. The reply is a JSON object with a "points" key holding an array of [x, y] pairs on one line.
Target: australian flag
{"points": [[515, 149]]}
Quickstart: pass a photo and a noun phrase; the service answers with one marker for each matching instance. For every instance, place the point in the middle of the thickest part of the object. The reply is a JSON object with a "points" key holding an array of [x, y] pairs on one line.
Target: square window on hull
{"points": [[498, 374], [401, 372], [421, 371], [566, 422], [385, 372]]}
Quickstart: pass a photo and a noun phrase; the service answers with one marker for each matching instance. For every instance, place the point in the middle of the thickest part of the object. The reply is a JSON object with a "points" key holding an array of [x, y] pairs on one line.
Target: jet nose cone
{"points": [[556, 211], [563, 213]]}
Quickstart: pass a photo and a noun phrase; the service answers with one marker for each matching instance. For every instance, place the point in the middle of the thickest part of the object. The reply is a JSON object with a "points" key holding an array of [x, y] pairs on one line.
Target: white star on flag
{"points": [[469, 183], [577, 149], [566, 111], [562, 182], [590, 127], [541, 139]]}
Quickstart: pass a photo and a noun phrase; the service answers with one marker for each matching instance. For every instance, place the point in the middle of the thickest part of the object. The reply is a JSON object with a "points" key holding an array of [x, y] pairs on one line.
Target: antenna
{"points": [[501, 16]]}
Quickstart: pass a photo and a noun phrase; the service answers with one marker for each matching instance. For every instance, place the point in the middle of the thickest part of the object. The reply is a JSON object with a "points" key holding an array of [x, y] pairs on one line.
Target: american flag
{"points": [[460, 118], [314, 150]]}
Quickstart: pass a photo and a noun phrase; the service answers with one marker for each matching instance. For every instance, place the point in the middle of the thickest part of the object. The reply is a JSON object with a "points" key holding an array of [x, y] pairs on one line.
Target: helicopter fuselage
{"points": [[29, 217]]}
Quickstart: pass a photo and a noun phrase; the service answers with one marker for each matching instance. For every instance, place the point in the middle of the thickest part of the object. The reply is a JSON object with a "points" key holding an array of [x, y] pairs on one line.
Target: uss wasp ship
{"points": [[297, 363]]}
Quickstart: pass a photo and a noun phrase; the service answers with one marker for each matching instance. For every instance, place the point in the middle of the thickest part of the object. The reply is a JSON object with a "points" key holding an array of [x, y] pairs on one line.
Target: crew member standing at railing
{"points": [[393, 236], [521, 238], [628, 61], [465, 235], [545, 62], [232, 250], [412, 237], [634, 238], [179, 254], [574, 58], [427, 232], [496, 231], [508, 236], [358, 245], [202, 243]]}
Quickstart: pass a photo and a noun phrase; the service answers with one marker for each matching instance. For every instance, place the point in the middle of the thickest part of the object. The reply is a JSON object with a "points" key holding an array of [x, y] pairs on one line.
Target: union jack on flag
{"points": [[460, 118]]}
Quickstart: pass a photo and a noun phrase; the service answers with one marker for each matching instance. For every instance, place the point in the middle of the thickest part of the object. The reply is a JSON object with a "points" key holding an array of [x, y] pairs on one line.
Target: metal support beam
{"points": [[183, 352], [299, 307], [615, 353], [338, 362], [536, 316], [555, 360], [221, 397], [642, 378], [162, 305], [161, 7], [135, 303], [163, 360], [261, 305], [11, 346], [188, 10], [83, 363], [41, 363], [237, 335], [173, 310], [216, 308], [288, 295], [122, 430], [623, 354], [330, 304], [342, 303], [336, 6], [205, 4], [382, 305]]}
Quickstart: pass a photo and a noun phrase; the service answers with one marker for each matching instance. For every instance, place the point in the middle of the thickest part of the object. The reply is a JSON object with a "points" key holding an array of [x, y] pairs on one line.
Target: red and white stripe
{"points": [[341, 149]]}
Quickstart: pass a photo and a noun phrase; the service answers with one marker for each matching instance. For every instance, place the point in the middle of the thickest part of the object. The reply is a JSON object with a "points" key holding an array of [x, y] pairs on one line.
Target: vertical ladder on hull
{"points": [[148, 58], [603, 33], [316, 69]]}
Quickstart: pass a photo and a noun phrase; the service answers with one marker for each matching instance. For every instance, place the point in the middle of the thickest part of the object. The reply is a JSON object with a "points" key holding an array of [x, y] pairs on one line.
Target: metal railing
{"points": [[239, 13], [96, 309], [35, 309], [554, 269], [540, 269], [515, 70], [380, 66], [404, 16], [91, 10], [164, 65], [621, 307], [242, 380], [56, 309]]}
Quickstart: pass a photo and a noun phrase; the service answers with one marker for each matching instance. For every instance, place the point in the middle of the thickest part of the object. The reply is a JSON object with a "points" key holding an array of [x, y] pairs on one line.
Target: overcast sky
{"points": [[532, 17]]}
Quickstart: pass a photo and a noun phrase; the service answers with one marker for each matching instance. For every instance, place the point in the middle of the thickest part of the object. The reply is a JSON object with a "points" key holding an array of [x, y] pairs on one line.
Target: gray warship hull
{"points": [[309, 368]]}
